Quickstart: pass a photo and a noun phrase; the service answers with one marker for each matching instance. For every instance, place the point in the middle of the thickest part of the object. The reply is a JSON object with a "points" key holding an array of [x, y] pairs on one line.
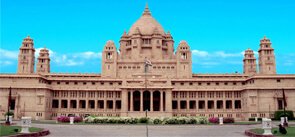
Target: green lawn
{"points": [[10, 130], [290, 132]]}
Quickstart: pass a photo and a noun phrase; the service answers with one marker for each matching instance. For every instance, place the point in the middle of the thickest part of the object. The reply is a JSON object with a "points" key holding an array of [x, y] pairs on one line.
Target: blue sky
{"points": [[218, 32]]}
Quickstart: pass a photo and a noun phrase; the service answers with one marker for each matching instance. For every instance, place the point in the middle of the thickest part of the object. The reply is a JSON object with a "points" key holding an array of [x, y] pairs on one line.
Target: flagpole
{"points": [[8, 107], [285, 104]]}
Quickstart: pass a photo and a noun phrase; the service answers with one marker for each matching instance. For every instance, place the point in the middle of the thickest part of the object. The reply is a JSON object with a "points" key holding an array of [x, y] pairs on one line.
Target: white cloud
{"points": [[225, 55], [200, 53], [6, 63], [6, 54]]}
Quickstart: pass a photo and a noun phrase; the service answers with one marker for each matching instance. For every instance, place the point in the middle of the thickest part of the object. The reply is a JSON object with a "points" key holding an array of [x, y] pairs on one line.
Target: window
{"points": [[199, 83], [225, 83], [58, 83], [67, 83], [76, 83], [174, 104], [278, 80], [201, 104], [183, 104], [93, 83], [190, 83], [84, 83], [280, 104], [208, 83], [217, 83], [237, 104]]}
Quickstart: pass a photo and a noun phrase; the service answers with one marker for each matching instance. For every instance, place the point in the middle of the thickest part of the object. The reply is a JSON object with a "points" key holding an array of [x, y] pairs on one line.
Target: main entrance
{"points": [[146, 100]]}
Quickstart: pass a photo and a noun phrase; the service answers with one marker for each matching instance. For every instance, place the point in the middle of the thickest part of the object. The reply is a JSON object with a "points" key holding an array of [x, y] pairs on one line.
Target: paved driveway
{"points": [[153, 130]]}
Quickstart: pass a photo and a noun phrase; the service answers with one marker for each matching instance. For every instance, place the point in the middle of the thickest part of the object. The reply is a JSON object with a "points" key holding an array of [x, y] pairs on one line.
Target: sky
{"points": [[75, 31]]}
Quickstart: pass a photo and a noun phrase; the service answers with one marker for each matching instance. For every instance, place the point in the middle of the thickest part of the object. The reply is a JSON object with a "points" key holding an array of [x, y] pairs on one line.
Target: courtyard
{"points": [[153, 130]]}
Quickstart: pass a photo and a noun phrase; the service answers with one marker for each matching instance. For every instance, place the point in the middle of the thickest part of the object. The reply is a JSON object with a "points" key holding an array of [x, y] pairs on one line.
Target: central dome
{"points": [[146, 24]]}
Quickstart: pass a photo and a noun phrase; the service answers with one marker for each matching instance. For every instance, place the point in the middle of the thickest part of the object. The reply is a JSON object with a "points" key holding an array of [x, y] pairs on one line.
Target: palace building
{"points": [[146, 74]]}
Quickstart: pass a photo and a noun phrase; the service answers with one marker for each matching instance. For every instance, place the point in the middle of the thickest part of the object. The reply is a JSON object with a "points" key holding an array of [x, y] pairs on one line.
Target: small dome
{"points": [[146, 24]]}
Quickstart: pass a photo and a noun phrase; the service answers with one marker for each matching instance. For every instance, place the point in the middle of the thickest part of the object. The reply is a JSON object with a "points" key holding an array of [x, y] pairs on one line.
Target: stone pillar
{"points": [[187, 105], [152, 103], [141, 101], [178, 104], [124, 101], [168, 102], [105, 103], [161, 101], [69, 104], [114, 105], [131, 101]]}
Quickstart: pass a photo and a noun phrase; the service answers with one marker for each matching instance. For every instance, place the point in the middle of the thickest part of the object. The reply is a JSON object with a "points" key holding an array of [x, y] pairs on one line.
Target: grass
{"points": [[290, 132], [10, 130]]}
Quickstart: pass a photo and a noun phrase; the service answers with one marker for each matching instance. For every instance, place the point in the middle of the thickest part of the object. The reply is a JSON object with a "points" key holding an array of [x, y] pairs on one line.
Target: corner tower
{"points": [[26, 57], [43, 65], [109, 60], [267, 64], [184, 60], [249, 62]]}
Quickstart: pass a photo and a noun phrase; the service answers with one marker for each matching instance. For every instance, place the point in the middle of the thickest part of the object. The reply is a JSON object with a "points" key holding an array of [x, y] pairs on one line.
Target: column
{"points": [[168, 108], [59, 104], [187, 104], [178, 101], [114, 105], [141, 101], [161, 101], [105, 101], [131, 101], [124, 101], [152, 103], [69, 104]]}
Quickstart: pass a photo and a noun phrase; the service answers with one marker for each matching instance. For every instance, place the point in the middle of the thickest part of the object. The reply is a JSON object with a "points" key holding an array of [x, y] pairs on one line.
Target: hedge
{"points": [[279, 114], [130, 120]]}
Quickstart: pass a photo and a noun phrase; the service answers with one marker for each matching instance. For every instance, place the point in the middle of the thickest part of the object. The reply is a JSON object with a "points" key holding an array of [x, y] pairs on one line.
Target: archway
{"points": [[136, 101], [156, 101], [146, 100]]}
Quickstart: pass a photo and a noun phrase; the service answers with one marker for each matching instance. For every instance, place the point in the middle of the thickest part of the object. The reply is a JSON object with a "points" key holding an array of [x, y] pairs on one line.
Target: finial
{"points": [[44, 46], [146, 10], [264, 37]]}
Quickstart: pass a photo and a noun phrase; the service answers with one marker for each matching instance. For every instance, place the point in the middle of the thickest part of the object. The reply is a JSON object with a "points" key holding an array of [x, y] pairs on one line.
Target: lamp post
{"points": [[285, 104], [8, 107]]}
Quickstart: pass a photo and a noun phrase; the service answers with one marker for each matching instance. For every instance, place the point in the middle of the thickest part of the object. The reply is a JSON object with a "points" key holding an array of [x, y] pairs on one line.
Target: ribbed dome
{"points": [[146, 24]]}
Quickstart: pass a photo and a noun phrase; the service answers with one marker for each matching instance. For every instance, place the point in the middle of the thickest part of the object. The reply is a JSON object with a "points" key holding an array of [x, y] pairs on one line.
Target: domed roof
{"points": [[146, 24]]}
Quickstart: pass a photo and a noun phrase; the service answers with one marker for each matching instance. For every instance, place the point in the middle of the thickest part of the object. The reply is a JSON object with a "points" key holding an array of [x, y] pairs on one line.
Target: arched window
{"points": [[109, 55], [183, 56]]}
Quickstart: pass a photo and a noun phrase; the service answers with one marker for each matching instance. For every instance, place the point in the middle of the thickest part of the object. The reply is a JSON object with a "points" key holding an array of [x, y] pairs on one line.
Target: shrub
{"points": [[78, 119], [228, 120], [157, 121], [63, 119], [9, 113], [279, 114], [143, 120], [202, 120], [67, 119], [214, 120], [253, 119]]}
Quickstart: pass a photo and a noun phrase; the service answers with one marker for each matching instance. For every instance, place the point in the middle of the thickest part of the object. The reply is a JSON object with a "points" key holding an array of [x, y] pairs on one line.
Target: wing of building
{"points": [[147, 74]]}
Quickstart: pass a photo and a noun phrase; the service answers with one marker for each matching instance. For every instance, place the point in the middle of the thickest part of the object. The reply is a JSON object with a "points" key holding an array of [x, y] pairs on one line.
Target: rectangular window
{"points": [[201, 104], [100, 104], [228, 104], [91, 104], [174, 104], [237, 104], [192, 104], [64, 103], [55, 103], [183, 104], [210, 104]]}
